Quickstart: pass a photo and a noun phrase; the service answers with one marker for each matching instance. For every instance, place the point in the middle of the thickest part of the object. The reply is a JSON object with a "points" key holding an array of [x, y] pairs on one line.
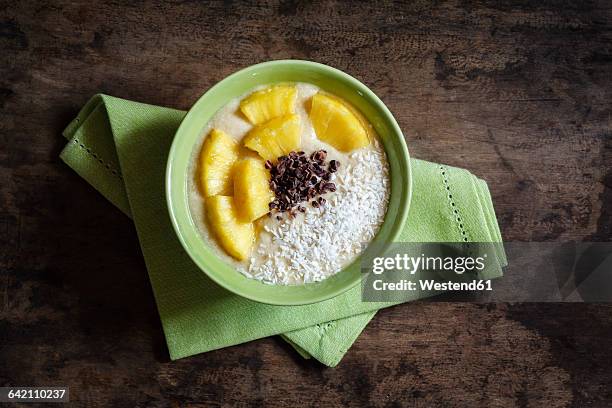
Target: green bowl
{"points": [[237, 84]]}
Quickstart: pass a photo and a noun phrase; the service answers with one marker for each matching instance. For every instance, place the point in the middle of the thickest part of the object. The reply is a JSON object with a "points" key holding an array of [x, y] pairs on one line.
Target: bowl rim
{"points": [[394, 231]]}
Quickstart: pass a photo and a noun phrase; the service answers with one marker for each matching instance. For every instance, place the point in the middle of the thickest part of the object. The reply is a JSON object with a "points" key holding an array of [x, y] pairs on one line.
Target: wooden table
{"points": [[520, 94]]}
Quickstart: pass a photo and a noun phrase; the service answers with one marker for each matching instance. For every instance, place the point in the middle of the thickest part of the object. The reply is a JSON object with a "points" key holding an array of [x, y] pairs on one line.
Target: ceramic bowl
{"points": [[237, 84]]}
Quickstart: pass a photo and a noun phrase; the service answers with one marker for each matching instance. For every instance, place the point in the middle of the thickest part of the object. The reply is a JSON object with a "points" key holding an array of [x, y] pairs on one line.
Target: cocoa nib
{"points": [[319, 156], [297, 178], [333, 166]]}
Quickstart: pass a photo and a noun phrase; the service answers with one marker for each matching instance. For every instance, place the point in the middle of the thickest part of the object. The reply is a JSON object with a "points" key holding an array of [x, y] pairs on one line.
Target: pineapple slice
{"points": [[275, 138], [235, 237], [219, 153], [252, 192], [338, 124], [269, 103]]}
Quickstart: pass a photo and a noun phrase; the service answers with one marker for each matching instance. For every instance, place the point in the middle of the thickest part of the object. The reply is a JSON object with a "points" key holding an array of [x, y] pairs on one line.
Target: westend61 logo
{"points": [[412, 271]]}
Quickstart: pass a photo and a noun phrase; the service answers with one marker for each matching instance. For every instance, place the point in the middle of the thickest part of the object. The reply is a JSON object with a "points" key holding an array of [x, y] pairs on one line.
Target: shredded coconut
{"points": [[320, 242]]}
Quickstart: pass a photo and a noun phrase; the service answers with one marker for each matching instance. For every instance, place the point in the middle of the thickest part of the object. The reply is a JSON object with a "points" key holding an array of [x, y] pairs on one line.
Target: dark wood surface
{"points": [[518, 92]]}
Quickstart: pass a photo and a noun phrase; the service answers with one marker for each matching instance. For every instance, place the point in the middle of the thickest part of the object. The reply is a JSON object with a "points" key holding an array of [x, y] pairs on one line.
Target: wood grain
{"points": [[518, 92]]}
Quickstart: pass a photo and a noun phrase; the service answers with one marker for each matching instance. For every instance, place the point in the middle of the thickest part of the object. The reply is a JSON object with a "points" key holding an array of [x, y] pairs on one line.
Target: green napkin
{"points": [[120, 147]]}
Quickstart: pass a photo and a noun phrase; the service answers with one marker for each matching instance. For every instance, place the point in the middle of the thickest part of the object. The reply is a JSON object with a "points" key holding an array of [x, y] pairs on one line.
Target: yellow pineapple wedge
{"points": [[252, 192], [269, 103], [235, 237], [275, 138], [338, 124], [219, 153]]}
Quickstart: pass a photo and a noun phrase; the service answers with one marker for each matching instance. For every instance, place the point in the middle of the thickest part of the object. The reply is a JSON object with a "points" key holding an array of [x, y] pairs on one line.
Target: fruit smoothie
{"points": [[288, 183]]}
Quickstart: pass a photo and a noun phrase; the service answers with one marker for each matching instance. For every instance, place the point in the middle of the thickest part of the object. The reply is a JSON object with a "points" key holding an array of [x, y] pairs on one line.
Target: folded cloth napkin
{"points": [[120, 147]]}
